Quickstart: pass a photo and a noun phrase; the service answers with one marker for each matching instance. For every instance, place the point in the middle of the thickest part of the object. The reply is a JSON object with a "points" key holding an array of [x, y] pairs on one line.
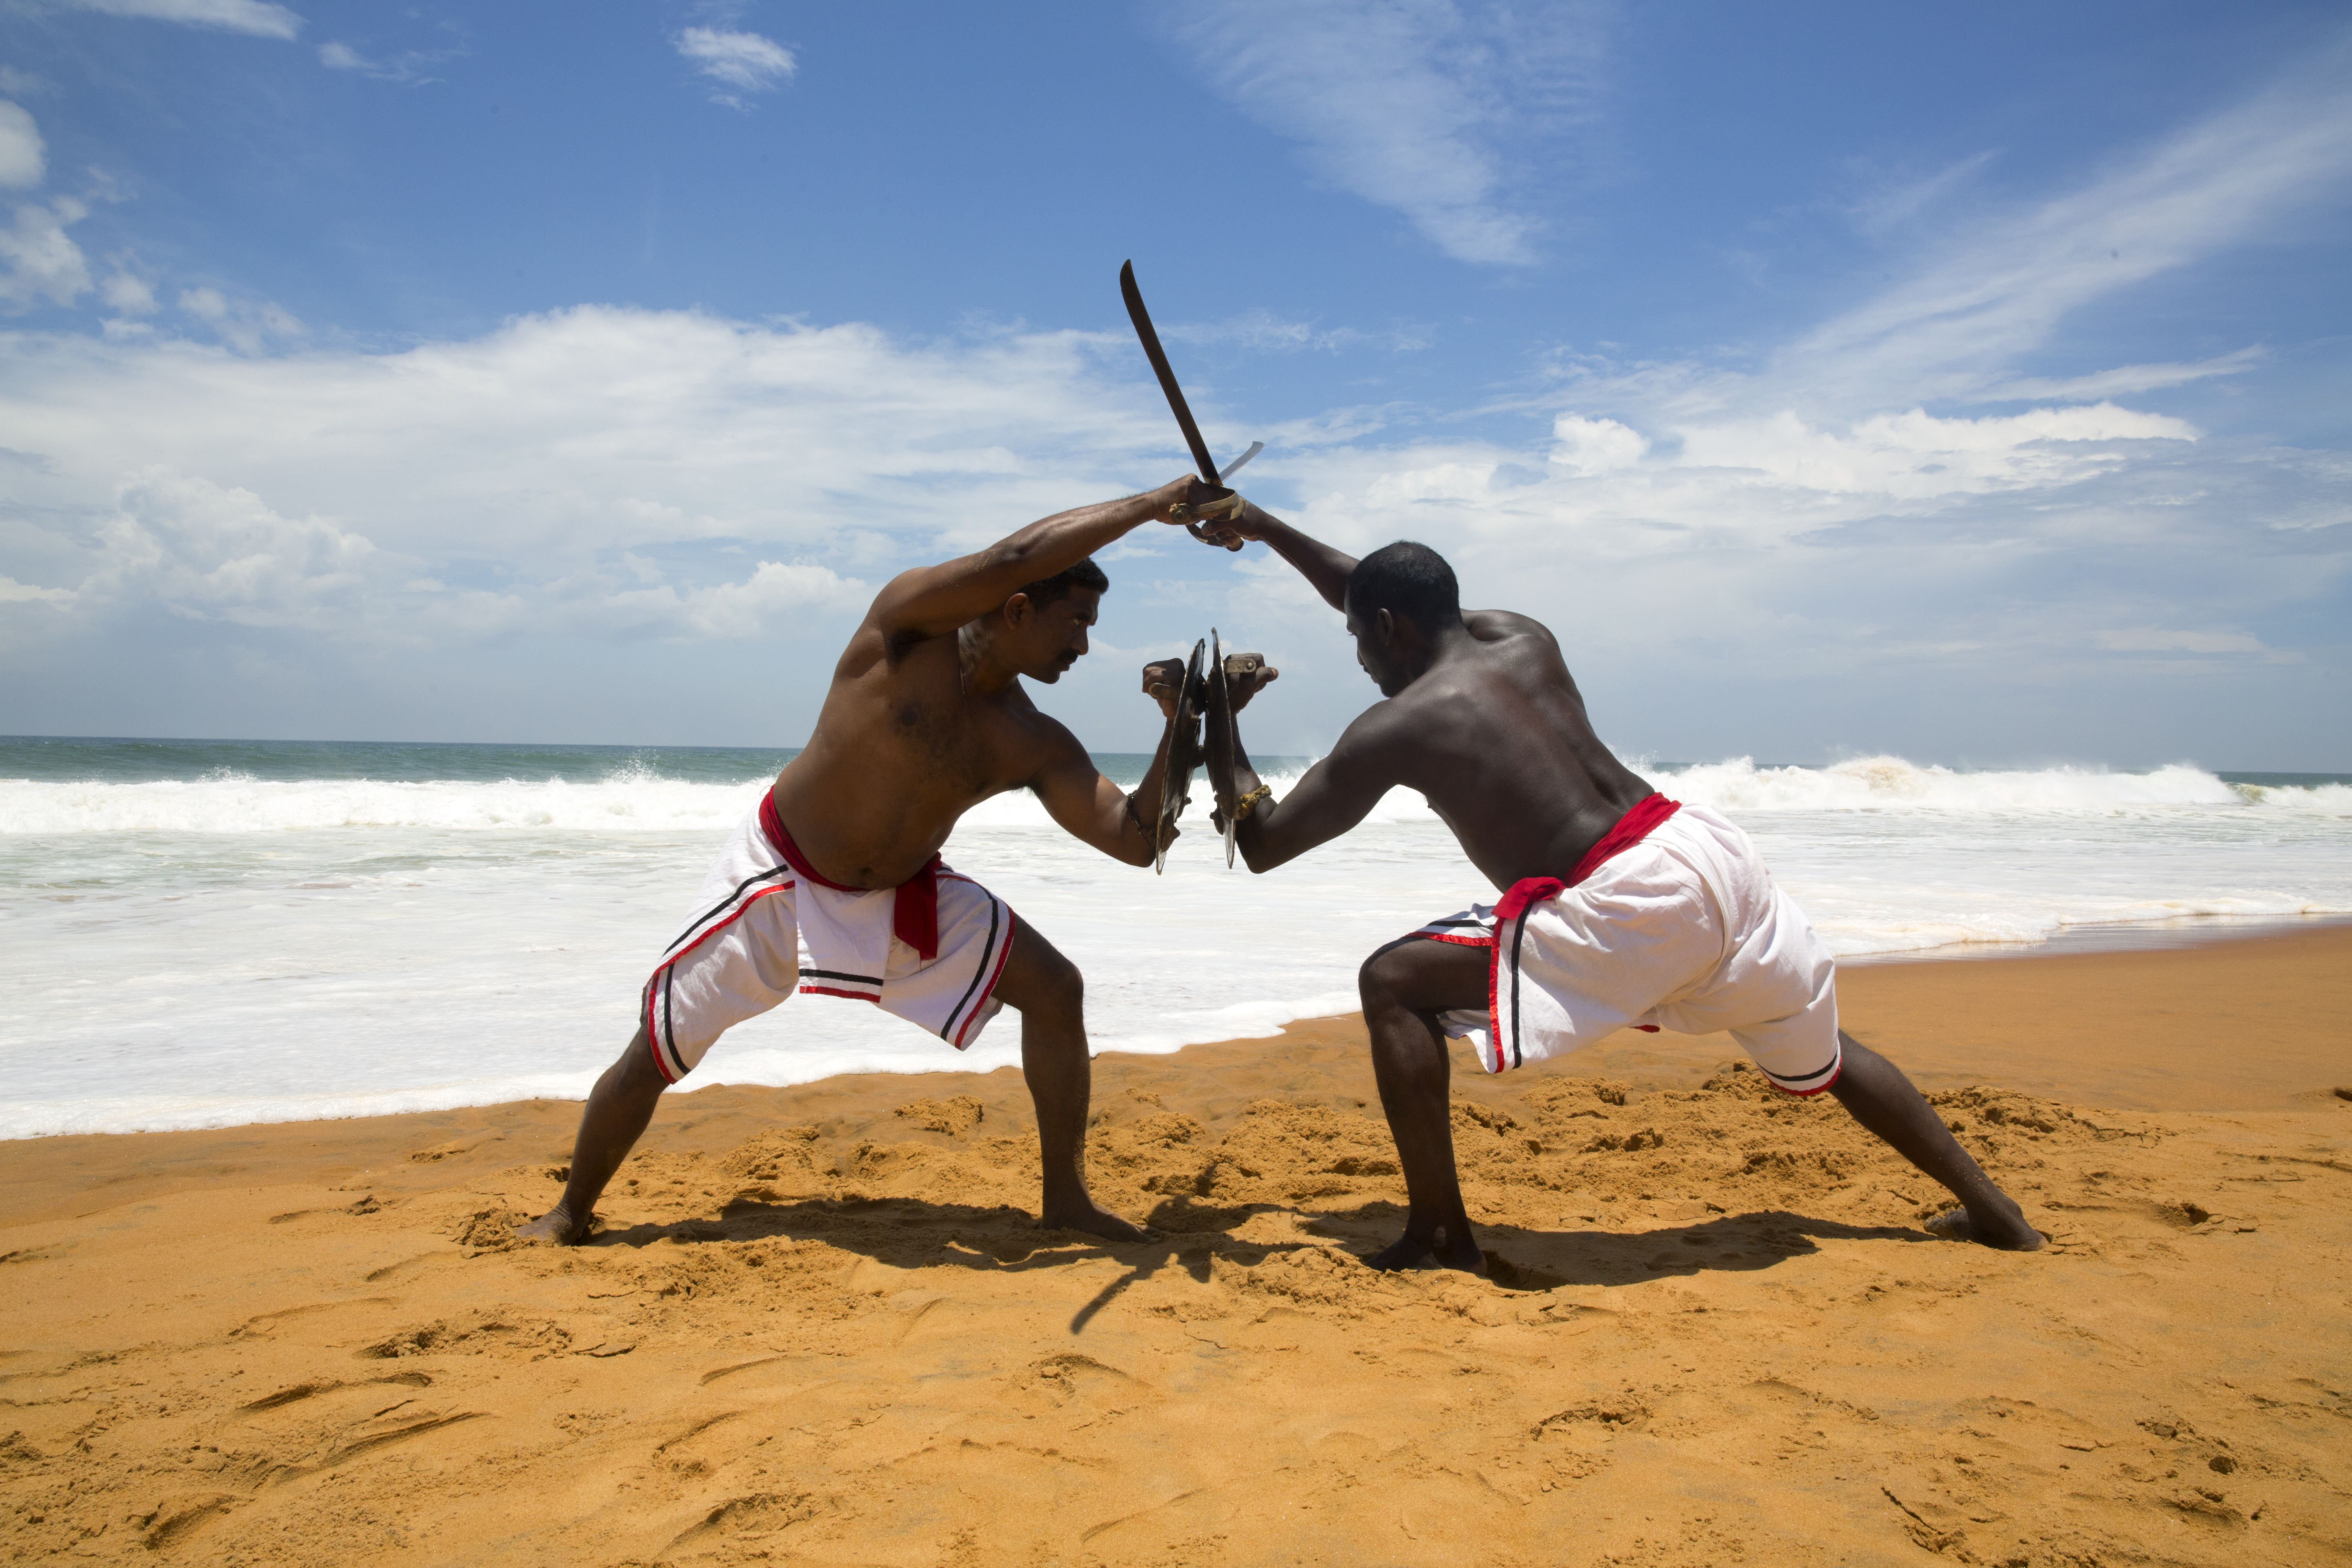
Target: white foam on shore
{"points": [[638, 801], [225, 949]]}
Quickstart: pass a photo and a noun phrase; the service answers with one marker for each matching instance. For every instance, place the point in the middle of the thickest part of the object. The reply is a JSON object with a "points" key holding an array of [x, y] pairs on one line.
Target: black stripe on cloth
{"points": [[669, 1041], [1426, 925], [703, 919], [843, 974], [1519, 936], [948, 1029], [1803, 1076]]}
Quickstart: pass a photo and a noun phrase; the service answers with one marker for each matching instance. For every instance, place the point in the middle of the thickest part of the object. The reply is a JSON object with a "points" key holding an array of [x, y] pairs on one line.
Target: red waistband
{"points": [[1636, 825], [914, 916]]}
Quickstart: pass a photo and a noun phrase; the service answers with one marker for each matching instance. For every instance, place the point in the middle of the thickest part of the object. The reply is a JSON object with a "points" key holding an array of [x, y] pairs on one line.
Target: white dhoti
{"points": [[1671, 923], [766, 925]]}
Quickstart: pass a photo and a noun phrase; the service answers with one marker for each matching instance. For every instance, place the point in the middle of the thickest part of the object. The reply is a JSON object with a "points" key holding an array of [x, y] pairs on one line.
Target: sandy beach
{"points": [[820, 1326]]}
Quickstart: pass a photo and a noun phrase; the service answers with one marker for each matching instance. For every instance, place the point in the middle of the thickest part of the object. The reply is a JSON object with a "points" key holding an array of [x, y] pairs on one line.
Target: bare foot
{"points": [[1095, 1220], [1414, 1251], [2006, 1232], [556, 1227]]}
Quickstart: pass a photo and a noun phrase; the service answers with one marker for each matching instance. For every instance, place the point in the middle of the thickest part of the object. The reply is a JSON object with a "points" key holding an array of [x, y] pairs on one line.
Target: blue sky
{"points": [[1964, 383]]}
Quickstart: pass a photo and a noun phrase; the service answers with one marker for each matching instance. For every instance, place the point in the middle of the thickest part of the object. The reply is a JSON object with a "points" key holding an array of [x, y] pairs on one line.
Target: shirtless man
{"points": [[834, 883], [1618, 906]]}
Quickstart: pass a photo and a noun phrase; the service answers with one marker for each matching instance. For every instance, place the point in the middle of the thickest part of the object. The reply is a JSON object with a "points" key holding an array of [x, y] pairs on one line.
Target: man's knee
{"points": [[1379, 977], [1054, 986], [636, 1072]]}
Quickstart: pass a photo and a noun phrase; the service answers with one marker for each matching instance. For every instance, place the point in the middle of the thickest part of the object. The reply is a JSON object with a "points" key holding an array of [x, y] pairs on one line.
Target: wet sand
{"points": [[820, 1325]]}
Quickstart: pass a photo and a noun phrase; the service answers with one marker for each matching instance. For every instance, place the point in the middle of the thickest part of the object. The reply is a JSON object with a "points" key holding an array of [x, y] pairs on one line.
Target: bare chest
{"points": [[959, 745]]}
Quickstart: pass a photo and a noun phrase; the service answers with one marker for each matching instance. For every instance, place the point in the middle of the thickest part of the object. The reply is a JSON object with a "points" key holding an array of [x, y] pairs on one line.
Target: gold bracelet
{"points": [[1248, 802]]}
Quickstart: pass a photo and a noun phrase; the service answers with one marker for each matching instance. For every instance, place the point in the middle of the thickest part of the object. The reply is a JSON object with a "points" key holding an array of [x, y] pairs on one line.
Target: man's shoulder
{"points": [[1494, 626]]}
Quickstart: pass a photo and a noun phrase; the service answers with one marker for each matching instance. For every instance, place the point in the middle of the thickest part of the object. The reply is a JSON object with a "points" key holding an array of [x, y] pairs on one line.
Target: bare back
{"points": [[1495, 734]]}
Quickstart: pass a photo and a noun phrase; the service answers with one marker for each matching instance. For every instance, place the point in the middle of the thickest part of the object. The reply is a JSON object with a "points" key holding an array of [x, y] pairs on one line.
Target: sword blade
{"points": [[1225, 474], [1159, 358]]}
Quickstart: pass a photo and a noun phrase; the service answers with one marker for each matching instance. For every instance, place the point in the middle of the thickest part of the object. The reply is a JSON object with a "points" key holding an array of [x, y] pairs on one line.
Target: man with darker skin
{"points": [[1483, 719], [925, 718]]}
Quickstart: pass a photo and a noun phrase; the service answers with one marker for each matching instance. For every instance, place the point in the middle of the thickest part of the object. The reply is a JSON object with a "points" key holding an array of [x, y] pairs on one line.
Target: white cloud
{"points": [[1591, 447], [255, 16], [38, 259], [1916, 455], [602, 473], [745, 62], [14, 593], [210, 552], [202, 551], [2151, 639], [755, 606], [126, 293], [1423, 106], [23, 158]]}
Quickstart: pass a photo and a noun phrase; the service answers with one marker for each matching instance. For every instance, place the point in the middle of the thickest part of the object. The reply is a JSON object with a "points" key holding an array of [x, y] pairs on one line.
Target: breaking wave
{"points": [[638, 800]]}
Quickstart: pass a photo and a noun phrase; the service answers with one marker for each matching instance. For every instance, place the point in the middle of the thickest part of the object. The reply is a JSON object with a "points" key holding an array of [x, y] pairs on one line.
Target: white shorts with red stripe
{"points": [[760, 931], [1683, 931]]}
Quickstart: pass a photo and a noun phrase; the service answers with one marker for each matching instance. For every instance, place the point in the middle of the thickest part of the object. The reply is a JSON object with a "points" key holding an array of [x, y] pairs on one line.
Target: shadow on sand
{"points": [[911, 1233]]}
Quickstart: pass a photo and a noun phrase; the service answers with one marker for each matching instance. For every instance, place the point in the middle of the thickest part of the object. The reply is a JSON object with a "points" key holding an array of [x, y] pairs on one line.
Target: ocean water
{"points": [[203, 934]]}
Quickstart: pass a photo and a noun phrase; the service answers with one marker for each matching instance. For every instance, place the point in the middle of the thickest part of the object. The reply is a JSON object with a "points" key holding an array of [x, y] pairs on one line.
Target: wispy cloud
{"points": [[2124, 380], [257, 17], [1957, 327], [411, 67], [738, 62], [1427, 106], [248, 326], [2154, 639], [1262, 332]]}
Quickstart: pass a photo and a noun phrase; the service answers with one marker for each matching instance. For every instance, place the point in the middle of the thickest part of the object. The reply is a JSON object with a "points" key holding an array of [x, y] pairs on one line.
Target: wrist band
{"points": [[1248, 802], [1135, 817]]}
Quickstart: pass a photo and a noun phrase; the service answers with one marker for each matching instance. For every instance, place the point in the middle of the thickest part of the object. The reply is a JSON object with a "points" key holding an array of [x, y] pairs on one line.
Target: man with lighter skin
{"points": [[833, 884], [1619, 907]]}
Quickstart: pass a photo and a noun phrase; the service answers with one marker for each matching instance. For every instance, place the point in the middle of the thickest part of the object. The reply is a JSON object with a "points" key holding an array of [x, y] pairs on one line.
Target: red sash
{"points": [[1637, 824], [914, 914]]}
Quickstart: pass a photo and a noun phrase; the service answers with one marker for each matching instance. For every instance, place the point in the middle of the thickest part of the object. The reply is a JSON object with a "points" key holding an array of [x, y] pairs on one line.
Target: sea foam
{"points": [[223, 947], [637, 800]]}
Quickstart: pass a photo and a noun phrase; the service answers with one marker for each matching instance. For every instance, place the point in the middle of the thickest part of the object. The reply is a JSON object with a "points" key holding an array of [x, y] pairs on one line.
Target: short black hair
{"points": [[1046, 590], [1408, 580]]}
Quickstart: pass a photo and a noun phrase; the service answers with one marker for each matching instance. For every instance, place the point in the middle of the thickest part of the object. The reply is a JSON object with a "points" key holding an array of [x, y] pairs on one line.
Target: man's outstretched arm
{"points": [[1092, 809], [1324, 568], [1334, 794], [932, 601]]}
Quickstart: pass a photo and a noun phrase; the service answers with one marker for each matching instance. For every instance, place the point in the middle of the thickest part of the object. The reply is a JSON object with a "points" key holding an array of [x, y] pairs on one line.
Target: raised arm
{"points": [[932, 601], [1324, 568]]}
